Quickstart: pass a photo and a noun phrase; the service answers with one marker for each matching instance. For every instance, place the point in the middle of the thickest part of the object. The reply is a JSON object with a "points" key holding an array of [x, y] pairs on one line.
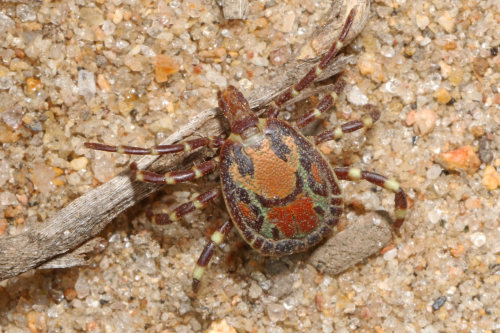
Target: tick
{"points": [[281, 193]]}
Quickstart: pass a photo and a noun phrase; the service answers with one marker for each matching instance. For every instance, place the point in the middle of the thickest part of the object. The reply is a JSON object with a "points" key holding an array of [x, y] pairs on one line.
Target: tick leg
{"points": [[351, 126], [216, 239], [400, 202], [175, 177], [200, 202], [274, 107], [325, 103], [214, 142]]}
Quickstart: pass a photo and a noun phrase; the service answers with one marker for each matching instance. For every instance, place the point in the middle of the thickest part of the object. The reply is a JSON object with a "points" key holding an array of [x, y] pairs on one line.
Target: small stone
{"points": [[8, 198], [391, 254], [491, 178], [33, 84], [356, 97], [442, 95], [425, 121], [79, 163], [422, 21], [285, 22], [41, 176], [220, 326], [438, 303], [164, 66], [5, 171], [82, 287], [461, 159], [103, 83], [368, 65], [135, 63], [456, 76], [480, 65], [8, 135], [457, 251], [276, 312], [279, 56], [478, 239], [450, 45], [86, 84], [446, 21], [433, 172], [13, 211], [70, 294], [254, 291]]}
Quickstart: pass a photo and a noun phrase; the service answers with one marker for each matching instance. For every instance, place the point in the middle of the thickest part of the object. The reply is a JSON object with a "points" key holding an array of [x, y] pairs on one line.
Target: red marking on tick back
{"points": [[299, 214], [245, 210]]}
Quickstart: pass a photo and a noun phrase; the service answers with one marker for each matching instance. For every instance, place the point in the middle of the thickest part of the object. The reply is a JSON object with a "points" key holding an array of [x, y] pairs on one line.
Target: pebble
{"points": [[79, 163], [491, 178], [276, 312], [86, 84], [438, 303], [422, 21], [442, 95], [220, 326], [356, 97], [42, 176], [461, 159], [478, 239], [434, 172], [425, 121], [164, 67], [8, 198], [446, 21], [368, 65]]}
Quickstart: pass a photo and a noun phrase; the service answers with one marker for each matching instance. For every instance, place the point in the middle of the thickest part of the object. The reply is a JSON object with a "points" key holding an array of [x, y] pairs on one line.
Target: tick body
{"points": [[281, 193]]}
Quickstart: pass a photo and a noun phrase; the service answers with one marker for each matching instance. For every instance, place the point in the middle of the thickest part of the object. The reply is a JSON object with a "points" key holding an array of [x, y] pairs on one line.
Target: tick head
{"points": [[237, 110]]}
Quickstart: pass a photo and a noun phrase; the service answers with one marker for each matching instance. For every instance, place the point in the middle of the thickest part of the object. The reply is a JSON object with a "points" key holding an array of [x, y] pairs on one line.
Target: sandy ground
{"points": [[131, 72]]}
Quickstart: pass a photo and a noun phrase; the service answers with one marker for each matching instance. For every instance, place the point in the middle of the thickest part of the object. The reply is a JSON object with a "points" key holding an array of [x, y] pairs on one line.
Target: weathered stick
{"points": [[85, 217]]}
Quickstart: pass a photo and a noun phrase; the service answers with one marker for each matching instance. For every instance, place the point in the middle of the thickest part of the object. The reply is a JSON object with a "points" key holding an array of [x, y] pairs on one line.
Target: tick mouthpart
{"points": [[237, 110]]}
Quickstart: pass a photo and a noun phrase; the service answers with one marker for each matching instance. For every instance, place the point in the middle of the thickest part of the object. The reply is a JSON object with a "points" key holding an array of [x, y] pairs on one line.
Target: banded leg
{"points": [[200, 202], [216, 239], [273, 108], [213, 142], [400, 202], [175, 177], [351, 126], [325, 103]]}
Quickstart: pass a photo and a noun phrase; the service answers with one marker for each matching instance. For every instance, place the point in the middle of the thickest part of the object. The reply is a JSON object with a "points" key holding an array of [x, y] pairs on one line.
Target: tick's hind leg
{"points": [[200, 202], [214, 142], [175, 177], [351, 126], [400, 202], [274, 107], [216, 239]]}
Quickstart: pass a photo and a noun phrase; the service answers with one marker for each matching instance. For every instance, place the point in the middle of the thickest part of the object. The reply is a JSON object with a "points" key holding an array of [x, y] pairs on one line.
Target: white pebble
{"points": [[433, 172], [478, 239], [391, 254], [356, 97]]}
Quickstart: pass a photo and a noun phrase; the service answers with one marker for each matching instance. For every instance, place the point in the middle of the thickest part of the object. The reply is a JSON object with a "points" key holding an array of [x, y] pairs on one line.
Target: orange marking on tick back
{"points": [[299, 214], [315, 173], [273, 178]]}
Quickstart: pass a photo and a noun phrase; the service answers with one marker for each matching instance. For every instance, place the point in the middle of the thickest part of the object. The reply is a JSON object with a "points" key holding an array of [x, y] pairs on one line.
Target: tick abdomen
{"points": [[281, 192]]}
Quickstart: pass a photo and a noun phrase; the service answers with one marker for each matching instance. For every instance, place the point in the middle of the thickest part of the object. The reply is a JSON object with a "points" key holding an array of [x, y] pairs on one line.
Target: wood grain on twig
{"points": [[54, 242]]}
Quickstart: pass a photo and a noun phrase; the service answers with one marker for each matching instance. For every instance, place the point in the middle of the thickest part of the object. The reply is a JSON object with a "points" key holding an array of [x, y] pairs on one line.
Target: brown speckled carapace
{"points": [[281, 193]]}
